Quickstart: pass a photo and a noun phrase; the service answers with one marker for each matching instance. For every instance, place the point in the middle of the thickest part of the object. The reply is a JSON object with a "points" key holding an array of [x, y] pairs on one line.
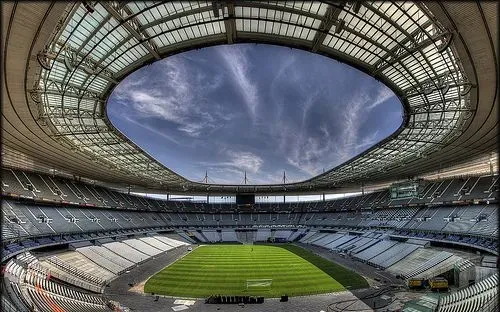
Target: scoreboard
{"points": [[407, 189], [245, 199]]}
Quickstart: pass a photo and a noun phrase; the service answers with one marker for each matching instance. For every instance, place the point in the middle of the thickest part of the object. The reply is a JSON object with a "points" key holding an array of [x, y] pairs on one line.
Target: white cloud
{"points": [[230, 175], [151, 129], [177, 95], [121, 92], [238, 161], [312, 154], [276, 177], [351, 124], [245, 160], [383, 95], [223, 175], [311, 98], [308, 155], [355, 113], [298, 133], [237, 62], [275, 90], [366, 142], [232, 171]]}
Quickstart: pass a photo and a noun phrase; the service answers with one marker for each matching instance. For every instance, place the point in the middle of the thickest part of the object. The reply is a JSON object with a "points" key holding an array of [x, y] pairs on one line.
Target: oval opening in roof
{"points": [[259, 109]]}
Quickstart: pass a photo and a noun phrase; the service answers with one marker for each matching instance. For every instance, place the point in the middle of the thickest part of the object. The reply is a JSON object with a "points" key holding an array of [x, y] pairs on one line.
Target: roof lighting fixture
{"points": [[339, 26]]}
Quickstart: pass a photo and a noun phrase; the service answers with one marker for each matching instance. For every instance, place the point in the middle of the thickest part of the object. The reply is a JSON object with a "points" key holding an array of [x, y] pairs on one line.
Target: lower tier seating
{"points": [[472, 298]]}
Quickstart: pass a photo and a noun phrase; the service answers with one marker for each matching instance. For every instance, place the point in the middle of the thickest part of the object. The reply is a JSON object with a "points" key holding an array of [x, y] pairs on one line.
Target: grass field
{"points": [[224, 269]]}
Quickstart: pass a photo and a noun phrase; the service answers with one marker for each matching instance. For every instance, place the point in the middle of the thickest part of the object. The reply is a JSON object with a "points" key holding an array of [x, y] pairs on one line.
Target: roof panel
{"points": [[395, 41]]}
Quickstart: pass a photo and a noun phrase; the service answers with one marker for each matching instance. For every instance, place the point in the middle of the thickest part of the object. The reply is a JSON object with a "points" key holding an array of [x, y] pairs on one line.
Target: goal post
{"points": [[259, 284]]}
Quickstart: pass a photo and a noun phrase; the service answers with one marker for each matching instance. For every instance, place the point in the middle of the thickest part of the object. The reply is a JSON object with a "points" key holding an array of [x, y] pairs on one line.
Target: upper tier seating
{"points": [[36, 185]]}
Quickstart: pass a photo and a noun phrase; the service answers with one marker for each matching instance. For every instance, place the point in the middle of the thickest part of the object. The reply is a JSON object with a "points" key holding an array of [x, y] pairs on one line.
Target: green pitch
{"points": [[224, 269]]}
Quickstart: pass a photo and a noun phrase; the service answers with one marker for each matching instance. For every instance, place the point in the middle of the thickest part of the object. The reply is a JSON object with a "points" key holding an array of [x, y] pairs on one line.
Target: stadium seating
{"points": [[486, 223], [33, 283], [11, 182], [364, 227], [410, 262], [32, 286], [326, 239], [34, 185], [8, 306], [262, 235], [339, 243], [155, 243], [392, 255], [362, 244], [73, 275], [310, 239], [200, 237], [212, 236], [120, 248], [228, 236], [374, 250], [117, 265], [172, 240], [281, 234], [75, 259], [142, 247], [472, 298], [296, 234], [430, 263], [307, 236]]}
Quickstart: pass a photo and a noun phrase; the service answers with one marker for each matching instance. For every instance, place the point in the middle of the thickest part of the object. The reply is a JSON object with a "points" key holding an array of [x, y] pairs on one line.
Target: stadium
{"points": [[91, 221]]}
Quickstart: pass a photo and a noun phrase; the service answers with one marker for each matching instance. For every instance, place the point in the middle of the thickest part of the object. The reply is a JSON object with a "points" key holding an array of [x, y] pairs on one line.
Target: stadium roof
{"points": [[62, 60]]}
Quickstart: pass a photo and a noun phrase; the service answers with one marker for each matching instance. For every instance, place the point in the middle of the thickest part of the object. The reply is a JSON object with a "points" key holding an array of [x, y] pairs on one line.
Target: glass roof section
{"points": [[97, 44]]}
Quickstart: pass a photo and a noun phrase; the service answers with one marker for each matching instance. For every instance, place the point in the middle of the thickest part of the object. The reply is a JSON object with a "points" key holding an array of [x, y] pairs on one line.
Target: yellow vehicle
{"points": [[438, 283], [416, 283]]}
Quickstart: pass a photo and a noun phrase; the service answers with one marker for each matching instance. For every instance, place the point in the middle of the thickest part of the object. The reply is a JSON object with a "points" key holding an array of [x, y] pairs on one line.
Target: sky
{"points": [[254, 108]]}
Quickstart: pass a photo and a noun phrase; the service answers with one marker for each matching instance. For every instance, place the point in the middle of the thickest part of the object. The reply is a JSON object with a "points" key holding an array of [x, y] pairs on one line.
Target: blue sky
{"points": [[257, 108]]}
